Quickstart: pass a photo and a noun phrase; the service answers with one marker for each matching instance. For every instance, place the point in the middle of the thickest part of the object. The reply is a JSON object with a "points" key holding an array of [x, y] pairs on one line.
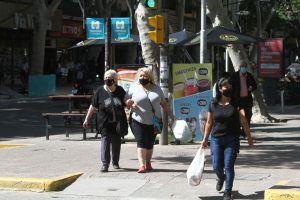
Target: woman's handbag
{"points": [[157, 124], [195, 170], [122, 125]]}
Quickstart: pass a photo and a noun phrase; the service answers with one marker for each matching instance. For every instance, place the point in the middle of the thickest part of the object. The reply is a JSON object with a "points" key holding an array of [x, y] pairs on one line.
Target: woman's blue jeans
{"points": [[224, 150]]}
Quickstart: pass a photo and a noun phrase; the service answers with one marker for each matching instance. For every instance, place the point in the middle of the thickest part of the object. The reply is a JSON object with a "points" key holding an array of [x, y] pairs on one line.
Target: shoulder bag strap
{"points": [[147, 93]]}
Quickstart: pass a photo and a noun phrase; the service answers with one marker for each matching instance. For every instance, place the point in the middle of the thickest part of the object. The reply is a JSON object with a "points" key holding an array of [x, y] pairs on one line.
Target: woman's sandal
{"points": [[142, 169], [149, 167]]}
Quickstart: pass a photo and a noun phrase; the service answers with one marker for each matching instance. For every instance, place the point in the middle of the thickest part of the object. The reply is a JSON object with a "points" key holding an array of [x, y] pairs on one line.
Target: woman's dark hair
{"points": [[226, 78]]}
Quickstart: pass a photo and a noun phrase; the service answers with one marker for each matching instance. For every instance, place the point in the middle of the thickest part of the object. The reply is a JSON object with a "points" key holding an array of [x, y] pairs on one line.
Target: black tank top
{"points": [[225, 119]]}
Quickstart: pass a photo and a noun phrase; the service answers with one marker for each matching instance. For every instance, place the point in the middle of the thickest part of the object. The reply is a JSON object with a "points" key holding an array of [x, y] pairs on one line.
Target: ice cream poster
{"points": [[192, 93]]}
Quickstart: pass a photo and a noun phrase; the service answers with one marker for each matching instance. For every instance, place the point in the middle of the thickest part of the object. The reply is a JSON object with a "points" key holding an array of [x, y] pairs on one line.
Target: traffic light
{"points": [[151, 4], [157, 35]]}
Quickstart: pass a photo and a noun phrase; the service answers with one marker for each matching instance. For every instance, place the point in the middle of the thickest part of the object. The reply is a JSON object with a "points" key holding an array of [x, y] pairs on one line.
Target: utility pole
{"points": [[107, 62], [164, 70], [203, 38]]}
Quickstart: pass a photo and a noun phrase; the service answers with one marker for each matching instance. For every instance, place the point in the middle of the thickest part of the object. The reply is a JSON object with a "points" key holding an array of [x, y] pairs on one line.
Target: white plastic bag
{"points": [[181, 131], [195, 170]]}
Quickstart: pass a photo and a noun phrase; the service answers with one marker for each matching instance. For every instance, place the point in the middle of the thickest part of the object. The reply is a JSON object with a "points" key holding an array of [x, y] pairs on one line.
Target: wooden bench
{"points": [[68, 119]]}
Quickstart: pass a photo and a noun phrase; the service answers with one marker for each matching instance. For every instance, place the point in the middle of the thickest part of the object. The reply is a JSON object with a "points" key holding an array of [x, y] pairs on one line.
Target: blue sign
{"points": [[193, 109], [95, 28], [120, 28]]}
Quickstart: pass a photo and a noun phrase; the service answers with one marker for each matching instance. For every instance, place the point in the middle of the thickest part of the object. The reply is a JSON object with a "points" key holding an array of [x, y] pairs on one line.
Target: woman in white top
{"points": [[145, 101]]}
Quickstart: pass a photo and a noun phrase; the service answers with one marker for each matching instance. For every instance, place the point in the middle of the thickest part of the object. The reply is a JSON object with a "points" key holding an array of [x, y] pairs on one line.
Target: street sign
{"points": [[120, 28], [95, 28]]}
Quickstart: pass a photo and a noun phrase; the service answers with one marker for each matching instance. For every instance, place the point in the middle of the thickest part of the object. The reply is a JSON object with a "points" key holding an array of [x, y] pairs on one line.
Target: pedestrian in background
{"points": [[223, 123], [244, 84], [24, 72], [109, 100], [145, 101]]}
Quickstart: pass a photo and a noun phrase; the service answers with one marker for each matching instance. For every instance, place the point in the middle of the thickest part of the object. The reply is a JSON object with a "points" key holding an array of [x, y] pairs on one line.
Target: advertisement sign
{"points": [[70, 29], [95, 28], [270, 58], [120, 28], [192, 93]]}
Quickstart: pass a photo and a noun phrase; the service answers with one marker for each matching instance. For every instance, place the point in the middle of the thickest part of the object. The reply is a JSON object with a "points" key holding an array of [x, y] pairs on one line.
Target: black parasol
{"points": [[221, 36]]}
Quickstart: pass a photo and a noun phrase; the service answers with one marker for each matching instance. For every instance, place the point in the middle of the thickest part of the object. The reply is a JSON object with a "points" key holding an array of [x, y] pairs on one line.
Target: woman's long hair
{"points": [[222, 81]]}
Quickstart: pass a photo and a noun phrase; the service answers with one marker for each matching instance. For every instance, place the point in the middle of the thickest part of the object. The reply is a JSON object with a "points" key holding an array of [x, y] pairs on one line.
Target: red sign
{"points": [[270, 58], [70, 29]]}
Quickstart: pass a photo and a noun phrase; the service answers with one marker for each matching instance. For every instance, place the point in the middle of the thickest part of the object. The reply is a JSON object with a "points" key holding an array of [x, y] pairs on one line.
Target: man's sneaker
{"points": [[227, 196], [116, 166], [219, 185], [104, 168]]}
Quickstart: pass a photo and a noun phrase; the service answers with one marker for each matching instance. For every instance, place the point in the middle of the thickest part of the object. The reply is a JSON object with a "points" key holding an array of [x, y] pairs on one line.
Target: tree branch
{"points": [[53, 6], [110, 3], [266, 22]]}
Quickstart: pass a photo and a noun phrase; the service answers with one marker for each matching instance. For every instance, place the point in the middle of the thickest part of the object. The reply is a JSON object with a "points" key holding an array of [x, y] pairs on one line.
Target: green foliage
{"points": [[279, 21], [292, 5]]}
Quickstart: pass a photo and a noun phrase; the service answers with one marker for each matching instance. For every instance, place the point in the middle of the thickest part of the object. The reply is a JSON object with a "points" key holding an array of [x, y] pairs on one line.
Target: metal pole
{"points": [[164, 72], [227, 60], [203, 40], [107, 44], [282, 100], [12, 75], [181, 10]]}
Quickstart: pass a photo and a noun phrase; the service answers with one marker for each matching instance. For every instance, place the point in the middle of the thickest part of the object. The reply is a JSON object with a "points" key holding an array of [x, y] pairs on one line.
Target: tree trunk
{"points": [[150, 50], [41, 17], [237, 53]]}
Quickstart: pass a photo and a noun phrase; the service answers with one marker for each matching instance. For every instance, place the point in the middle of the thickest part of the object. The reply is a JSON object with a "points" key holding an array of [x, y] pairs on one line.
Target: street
{"points": [[273, 159]]}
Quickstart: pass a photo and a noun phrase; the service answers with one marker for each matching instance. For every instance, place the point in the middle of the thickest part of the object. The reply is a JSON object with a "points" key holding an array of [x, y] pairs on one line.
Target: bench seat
{"points": [[69, 117]]}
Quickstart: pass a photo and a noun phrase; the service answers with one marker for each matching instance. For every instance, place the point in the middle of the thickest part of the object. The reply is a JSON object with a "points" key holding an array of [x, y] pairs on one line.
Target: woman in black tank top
{"points": [[223, 123]]}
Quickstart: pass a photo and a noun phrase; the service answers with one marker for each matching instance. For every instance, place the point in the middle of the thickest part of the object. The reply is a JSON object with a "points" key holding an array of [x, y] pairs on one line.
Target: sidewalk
{"points": [[273, 163]]}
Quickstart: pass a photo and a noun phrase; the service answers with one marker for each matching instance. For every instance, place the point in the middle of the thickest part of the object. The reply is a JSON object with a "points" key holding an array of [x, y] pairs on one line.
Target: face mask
{"points": [[144, 81], [109, 82], [227, 93], [243, 70]]}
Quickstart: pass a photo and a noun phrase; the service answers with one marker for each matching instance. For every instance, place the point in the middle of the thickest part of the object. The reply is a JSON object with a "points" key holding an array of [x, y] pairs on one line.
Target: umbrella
{"points": [[181, 37], [222, 36], [134, 39]]}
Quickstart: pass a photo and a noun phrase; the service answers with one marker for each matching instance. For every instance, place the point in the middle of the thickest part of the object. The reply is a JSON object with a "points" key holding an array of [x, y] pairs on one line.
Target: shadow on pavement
{"points": [[236, 195], [276, 156], [283, 129]]}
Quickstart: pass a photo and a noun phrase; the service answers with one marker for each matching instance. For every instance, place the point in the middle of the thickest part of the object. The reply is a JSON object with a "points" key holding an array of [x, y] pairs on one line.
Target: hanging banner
{"points": [[192, 93], [270, 58], [95, 28], [120, 28]]}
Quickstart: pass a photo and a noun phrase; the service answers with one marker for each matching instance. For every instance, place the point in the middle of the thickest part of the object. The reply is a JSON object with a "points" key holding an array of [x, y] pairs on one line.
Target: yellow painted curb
{"points": [[61, 182], [38, 184], [281, 194], [5, 146]]}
